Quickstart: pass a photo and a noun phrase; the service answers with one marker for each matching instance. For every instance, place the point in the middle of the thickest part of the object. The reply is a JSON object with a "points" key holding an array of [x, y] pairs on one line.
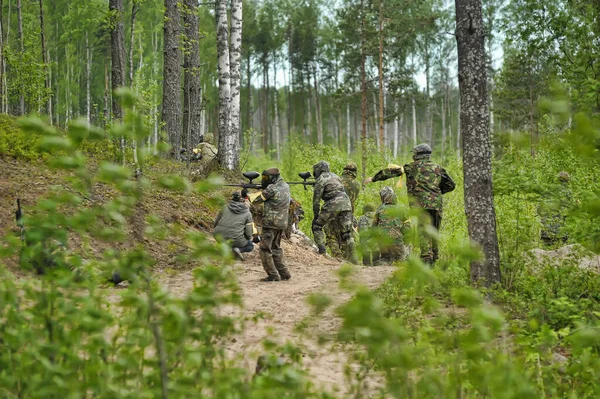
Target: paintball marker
{"points": [[304, 176], [250, 176]]}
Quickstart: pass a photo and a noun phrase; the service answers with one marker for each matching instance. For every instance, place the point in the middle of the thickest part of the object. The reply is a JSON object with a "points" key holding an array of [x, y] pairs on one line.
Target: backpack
{"points": [[447, 184]]}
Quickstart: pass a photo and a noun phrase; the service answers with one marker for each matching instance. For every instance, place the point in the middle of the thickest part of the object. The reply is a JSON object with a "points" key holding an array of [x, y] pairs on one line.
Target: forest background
{"points": [[301, 90]]}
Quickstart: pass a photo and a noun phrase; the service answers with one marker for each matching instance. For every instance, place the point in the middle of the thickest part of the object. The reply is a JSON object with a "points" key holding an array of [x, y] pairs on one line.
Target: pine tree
{"points": [[171, 104]]}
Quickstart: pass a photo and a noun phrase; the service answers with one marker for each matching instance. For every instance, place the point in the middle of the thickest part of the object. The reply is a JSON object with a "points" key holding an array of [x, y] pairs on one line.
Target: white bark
{"points": [[276, 127], [228, 150], [348, 140], [376, 123], [414, 120], [236, 58], [88, 78], [443, 126], [386, 139], [396, 128]]}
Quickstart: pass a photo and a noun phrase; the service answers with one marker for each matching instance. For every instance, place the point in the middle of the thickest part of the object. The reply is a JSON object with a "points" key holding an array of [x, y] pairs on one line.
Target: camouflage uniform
{"points": [[336, 209], [391, 226], [368, 245], [352, 189], [553, 212], [276, 199], [425, 182]]}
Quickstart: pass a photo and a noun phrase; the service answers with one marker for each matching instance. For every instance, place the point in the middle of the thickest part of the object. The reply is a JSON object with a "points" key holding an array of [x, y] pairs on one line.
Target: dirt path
{"points": [[284, 305]]}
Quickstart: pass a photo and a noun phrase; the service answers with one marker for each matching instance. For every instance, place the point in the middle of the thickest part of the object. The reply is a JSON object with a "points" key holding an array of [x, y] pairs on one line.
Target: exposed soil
{"points": [[284, 305]]}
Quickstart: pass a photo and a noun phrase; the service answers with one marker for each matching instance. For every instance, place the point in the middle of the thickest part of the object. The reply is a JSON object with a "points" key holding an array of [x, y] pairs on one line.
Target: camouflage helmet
{"points": [[564, 177], [351, 166], [387, 195], [319, 168], [422, 150], [208, 138], [269, 176], [368, 208]]}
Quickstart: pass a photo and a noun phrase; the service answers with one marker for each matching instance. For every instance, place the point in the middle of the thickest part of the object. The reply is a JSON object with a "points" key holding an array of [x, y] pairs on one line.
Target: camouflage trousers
{"points": [[333, 238], [429, 244], [394, 253], [339, 226], [271, 254]]}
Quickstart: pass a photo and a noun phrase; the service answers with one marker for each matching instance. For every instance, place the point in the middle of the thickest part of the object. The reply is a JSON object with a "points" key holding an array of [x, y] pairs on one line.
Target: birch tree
{"points": [[477, 149], [228, 152], [236, 77], [171, 109], [117, 47]]}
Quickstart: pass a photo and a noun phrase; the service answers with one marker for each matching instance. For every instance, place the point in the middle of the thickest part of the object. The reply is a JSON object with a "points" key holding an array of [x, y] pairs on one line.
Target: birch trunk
{"points": [[396, 128], [414, 122], [191, 68], [228, 152], [443, 127], [22, 47], [134, 10], [309, 107], [477, 164], [376, 124], [428, 116], [45, 62], [107, 113], [88, 79], [249, 113], [348, 140], [318, 106], [363, 89], [235, 59], [276, 127], [459, 143], [171, 101], [382, 141], [117, 47]]}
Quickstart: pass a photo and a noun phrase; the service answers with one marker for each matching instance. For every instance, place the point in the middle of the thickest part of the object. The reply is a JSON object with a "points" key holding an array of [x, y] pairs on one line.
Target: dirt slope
{"points": [[284, 304]]}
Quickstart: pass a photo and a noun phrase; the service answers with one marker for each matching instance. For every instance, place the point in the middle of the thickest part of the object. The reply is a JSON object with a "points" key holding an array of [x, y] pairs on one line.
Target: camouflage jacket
{"points": [[553, 212], [276, 199], [423, 179], [392, 225], [329, 188], [351, 186], [366, 221]]}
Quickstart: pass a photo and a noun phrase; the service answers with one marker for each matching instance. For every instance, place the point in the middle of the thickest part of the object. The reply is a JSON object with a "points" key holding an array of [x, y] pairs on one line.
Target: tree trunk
{"points": [[276, 132], [135, 7], [2, 70], [107, 113], [235, 60], [477, 164], [363, 89], [88, 78], [414, 120], [22, 43], [428, 117], [348, 139], [376, 124], [309, 104], [381, 88], [228, 150], [117, 43], [249, 114], [443, 127], [396, 128], [459, 143], [171, 101], [191, 68], [318, 106], [45, 62]]}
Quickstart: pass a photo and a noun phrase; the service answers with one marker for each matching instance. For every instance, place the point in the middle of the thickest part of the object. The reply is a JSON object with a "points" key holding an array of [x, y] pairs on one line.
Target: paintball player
{"points": [[276, 198], [351, 185], [426, 182], [392, 226], [367, 244], [366, 220], [336, 209], [553, 212], [234, 224]]}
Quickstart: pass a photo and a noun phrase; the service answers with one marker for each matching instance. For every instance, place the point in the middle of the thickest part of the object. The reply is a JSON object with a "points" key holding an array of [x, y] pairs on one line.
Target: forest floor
{"points": [[280, 306]]}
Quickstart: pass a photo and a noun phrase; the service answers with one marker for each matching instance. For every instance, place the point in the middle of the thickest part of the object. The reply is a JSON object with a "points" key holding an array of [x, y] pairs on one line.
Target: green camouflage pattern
{"points": [[329, 189], [351, 186], [392, 226], [276, 198], [553, 213], [366, 220], [423, 179]]}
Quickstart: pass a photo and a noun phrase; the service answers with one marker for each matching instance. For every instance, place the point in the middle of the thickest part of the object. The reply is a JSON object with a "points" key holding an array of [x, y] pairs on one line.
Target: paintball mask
{"points": [[319, 168], [269, 176]]}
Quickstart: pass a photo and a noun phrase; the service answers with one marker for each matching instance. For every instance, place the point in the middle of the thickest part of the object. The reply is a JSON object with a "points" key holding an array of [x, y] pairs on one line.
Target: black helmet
{"points": [[421, 151], [269, 176]]}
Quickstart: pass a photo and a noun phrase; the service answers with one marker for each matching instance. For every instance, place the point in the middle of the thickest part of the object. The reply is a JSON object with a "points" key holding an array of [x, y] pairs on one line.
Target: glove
{"points": [[256, 238]]}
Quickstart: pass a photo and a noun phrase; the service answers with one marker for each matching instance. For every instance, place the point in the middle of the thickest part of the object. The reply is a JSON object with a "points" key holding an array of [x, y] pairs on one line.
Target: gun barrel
{"points": [[305, 183]]}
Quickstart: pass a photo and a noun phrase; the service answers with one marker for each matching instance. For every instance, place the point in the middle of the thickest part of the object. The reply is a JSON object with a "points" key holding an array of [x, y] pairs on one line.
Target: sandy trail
{"points": [[284, 305]]}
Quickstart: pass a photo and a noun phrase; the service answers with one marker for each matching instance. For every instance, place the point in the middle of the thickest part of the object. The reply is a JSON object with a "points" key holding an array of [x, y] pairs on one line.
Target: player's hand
{"points": [[368, 180]]}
